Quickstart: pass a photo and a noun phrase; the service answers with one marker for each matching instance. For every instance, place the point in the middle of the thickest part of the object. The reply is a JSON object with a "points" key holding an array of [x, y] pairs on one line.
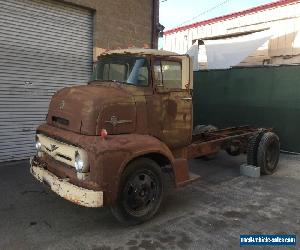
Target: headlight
{"points": [[79, 165], [38, 144]]}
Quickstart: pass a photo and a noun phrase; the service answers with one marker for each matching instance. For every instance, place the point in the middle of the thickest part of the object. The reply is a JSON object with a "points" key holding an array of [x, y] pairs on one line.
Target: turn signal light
{"points": [[103, 133]]}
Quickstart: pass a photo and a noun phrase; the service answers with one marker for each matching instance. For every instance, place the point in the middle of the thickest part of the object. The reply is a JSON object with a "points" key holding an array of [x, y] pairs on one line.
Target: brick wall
{"points": [[120, 23]]}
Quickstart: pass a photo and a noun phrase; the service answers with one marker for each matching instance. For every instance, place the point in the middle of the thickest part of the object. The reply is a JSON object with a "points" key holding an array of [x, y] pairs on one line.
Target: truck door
{"points": [[171, 79]]}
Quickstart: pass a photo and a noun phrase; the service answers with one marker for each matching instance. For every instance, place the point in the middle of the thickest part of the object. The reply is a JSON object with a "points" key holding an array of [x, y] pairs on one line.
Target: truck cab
{"points": [[107, 143], [159, 85]]}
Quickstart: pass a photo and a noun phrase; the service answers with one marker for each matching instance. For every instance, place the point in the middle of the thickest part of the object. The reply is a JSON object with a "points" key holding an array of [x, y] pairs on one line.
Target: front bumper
{"points": [[75, 194]]}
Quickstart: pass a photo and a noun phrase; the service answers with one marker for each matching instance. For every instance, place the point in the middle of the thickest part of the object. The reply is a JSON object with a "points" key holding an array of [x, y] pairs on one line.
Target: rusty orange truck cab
{"points": [[108, 142]]}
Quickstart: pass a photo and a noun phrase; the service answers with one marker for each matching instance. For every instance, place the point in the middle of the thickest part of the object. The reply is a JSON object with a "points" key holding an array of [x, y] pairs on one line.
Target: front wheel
{"points": [[140, 193]]}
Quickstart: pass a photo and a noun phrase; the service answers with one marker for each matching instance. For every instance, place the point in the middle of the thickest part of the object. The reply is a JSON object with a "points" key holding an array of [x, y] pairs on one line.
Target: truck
{"points": [[109, 142]]}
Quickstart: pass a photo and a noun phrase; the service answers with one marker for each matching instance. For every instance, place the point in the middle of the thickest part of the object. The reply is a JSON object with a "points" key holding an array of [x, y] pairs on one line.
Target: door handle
{"points": [[186, 98]]}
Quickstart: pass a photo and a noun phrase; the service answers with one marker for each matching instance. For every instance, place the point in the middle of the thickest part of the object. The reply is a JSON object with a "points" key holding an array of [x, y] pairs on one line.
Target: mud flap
{"points": [[181, 173]]}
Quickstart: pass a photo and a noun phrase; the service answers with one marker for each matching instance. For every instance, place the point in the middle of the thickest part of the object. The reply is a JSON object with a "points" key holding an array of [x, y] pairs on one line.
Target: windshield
{"points": [[126, 69]]}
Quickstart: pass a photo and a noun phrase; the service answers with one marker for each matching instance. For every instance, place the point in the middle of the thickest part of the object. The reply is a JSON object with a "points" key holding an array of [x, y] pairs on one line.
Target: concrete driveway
{"points": [[210, 214]]}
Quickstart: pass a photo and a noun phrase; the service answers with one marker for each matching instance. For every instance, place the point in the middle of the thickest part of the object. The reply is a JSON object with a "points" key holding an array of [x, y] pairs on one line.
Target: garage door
{"points": [[44, 46]]}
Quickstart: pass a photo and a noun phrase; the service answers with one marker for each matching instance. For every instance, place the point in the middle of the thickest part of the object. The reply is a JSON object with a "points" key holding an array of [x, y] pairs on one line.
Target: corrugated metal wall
{"points": [[261, 97], [44, 46]]}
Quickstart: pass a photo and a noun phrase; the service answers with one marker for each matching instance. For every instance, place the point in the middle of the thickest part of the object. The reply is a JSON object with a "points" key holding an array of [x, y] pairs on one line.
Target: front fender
{"points": [[122, 150], [146, 145], [135, 146]]}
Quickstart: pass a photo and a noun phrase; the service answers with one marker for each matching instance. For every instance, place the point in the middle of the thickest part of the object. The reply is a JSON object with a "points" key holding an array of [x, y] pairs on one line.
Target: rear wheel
{"points": [[268, 153], [140, 193], [253, 148], [263, 151]]}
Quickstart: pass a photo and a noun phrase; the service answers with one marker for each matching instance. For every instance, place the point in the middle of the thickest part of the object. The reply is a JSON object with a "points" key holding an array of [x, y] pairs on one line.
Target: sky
{"points": [[174, 13]]}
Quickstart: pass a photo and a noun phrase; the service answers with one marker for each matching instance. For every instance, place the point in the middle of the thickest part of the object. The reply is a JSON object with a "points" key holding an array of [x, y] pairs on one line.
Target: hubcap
{"points": [[141, 193]]}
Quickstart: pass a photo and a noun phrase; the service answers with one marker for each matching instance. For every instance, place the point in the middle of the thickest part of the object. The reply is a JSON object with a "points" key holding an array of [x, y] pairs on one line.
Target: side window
{"points": [[168, 74]]}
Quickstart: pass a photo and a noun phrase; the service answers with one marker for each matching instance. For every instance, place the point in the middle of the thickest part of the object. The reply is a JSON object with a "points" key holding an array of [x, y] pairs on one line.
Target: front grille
{"points": [[60, 120], [65, 157], [61, 151]]}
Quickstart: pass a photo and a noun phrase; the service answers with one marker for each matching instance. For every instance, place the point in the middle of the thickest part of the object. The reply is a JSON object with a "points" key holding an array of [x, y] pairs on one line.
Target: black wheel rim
{"points": [[141, 193], [272, 154]]}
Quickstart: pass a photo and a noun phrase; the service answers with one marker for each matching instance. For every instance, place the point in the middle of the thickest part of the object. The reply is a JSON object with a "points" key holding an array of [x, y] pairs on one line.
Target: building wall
{"points": [[282, 48], [121, 23]]}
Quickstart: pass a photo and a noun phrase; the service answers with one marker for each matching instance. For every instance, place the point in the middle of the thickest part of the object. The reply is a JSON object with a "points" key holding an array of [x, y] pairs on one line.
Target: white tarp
{"points": [[225, 53], [193, 53]]}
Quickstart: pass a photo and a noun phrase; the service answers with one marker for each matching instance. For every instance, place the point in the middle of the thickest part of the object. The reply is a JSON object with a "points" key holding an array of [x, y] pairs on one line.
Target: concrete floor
{"points": [[210, 214]]}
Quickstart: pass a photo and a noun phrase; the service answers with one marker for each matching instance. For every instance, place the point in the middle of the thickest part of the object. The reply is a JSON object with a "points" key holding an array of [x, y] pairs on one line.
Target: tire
{"points": [[252, 149], [233, 151], [211, 128], [140, 193], [199, 129], [268, 153]]}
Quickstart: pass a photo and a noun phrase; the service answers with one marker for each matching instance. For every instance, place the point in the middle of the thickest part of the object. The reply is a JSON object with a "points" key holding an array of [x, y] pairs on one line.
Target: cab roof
{"points": [[140, 51]]}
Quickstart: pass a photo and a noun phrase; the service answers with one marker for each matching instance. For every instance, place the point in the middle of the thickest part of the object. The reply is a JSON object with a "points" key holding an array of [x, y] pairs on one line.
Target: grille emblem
{"points": [[62, 105], [114, 121], [53, 147]]}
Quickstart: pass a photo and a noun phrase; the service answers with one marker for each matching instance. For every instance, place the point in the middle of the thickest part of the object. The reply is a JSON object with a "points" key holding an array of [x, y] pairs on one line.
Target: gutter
{"points": [[155, 21]]}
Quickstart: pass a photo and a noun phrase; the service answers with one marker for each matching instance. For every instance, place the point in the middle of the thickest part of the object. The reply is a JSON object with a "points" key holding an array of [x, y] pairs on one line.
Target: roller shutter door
{"points": [[44, 46]]}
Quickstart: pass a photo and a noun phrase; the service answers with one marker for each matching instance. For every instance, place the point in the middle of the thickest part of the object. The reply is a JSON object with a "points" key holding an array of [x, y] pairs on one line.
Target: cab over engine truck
{"points": [[107, 143]]}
